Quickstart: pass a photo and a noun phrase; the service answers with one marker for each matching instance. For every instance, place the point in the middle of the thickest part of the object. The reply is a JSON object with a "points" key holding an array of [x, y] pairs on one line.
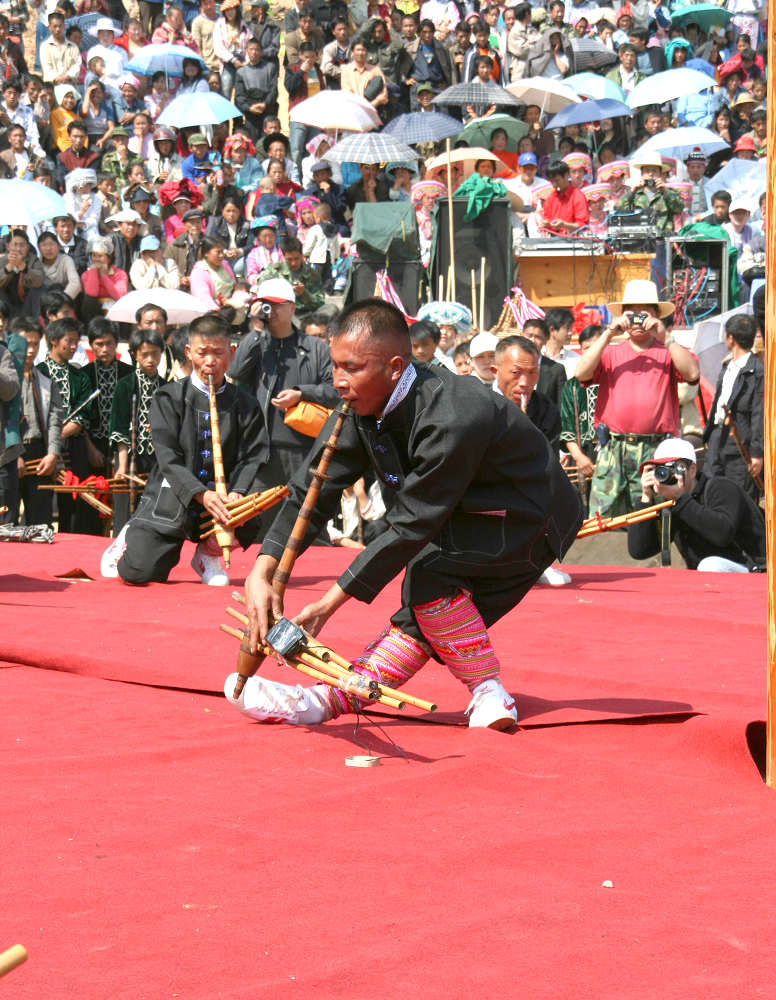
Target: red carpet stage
{"points": [[156, 844]]}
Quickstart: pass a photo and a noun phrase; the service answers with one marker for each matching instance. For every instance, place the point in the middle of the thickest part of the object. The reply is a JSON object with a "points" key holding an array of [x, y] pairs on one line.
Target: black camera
{"points": [[666, 474], [650, 182], [264, 310], [639, 319]]}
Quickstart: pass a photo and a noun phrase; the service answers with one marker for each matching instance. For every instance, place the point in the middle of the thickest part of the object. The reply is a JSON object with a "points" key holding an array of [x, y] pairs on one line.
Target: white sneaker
{"points": [[554, 577], [491, 707], [209, 568], [110, 557], [270, 701]]}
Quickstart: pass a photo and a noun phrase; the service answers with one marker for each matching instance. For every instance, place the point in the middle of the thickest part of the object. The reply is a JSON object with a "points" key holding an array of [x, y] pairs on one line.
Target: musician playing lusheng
{"points": [[181, 483], [478, 507]]}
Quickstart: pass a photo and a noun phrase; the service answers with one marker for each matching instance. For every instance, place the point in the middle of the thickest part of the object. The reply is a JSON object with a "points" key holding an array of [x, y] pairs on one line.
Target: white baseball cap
{"points": [[482, 343], [739, 205], [276, 290], [672, 449]]}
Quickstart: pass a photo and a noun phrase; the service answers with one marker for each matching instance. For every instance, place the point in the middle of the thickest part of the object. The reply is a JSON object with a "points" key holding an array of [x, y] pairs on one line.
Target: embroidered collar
{"points": [[400, 391]]}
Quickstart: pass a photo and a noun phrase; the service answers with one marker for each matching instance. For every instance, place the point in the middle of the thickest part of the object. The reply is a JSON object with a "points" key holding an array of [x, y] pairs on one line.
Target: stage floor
{"points": [[156, 844]]}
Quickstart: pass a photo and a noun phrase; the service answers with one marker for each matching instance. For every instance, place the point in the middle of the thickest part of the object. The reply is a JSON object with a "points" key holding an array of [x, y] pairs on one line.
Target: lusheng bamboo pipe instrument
{"points": [[244, 509], [224, 537], [133, 453], [248, 662], [595, 525], [743, 451], [321, 663]]}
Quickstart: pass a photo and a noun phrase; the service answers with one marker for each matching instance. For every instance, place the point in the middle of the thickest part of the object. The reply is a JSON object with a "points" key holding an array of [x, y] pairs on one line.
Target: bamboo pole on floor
{"points": [[769, 472]]}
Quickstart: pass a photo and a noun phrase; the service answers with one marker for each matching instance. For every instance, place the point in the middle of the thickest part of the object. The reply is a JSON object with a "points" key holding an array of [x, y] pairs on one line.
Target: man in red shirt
{"points": [[638, 403], [565, 210]]}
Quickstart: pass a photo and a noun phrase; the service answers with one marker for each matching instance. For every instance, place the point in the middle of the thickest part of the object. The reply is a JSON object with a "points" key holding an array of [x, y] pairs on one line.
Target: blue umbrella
{"points": [[595, 86], [422, 126], [85, 22], [702, 65], [196, 110], [589, 111], [166, 59], [25, 203]]}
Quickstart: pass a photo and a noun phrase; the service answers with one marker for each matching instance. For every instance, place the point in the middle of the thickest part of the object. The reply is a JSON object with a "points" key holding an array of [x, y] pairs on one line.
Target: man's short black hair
{"points": [[146, 307], [479, 27], [757, 114], [52, 301], [60, 328], [590, 332], [379, 319], [425, 329], [23, 324], [641, 33], [289, 244], [426, 23], [558, 168], [75, 125], [462, 349], [537, 323], [101, 327], [721, 196], [484, 59], [558, 317], [209, 325], [57, 15], [626, 47], [742, 329], [521, 343], [139, 337], [522, 10]]}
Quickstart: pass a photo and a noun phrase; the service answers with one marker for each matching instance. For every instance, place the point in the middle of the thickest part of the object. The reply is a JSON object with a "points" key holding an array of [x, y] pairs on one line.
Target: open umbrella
{"points": [[679, 142], [179, 306], [474, 92], [589, 111], [594, 86], [742, 178], [465, 157], [422, 126], [196, 110], [478, 131], [589, 53], [336, 109], [668, 86], [549, 95], [702, 65], [705, 15], [24, 203], [166, 59], [370, 147]]}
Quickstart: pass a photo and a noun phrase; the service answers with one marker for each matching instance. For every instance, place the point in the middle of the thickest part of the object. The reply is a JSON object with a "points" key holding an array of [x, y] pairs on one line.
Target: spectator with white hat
{"points": [[114, 57], [482, 351]]}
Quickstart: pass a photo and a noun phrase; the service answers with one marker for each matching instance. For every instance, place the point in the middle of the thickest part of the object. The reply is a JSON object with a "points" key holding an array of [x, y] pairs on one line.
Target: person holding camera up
{"points": [[657, 202], [637, 403], [281, 367], [715, 525]]}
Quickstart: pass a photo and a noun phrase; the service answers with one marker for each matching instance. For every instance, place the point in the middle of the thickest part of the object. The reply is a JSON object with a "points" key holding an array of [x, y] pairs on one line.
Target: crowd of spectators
{"points": [[220, 210]]}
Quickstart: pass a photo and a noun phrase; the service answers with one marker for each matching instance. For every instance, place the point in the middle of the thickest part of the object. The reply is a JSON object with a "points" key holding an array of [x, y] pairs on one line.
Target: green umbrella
{"points": [[479, 131], [705, 15]]}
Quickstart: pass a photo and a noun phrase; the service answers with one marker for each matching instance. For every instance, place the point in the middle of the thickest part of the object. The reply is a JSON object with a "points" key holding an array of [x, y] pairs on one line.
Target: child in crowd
{"points": [[265, 251], [181, 485], [321, 245], [159, 96], [304, 216], [596, 196], [109, 200], [265, 201], [82, 202], [425, 336]]}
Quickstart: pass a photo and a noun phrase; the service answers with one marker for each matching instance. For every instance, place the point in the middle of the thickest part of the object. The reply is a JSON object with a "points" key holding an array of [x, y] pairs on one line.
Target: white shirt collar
{"points": [[197, 382], [400, 391]]}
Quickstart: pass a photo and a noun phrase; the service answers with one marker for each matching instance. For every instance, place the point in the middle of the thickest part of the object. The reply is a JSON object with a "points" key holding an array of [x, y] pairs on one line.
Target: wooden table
{"points": [[566, 277]]}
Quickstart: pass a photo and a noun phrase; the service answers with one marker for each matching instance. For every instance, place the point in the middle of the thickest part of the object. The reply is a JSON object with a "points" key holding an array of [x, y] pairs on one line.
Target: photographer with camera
{"points": [[715, 526], [281, 367], [637, 403]]}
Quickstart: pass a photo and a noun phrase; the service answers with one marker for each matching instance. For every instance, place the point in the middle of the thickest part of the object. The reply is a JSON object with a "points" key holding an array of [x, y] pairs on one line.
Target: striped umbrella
{"points": [[370, 147], [477, 93], [422, 126]]}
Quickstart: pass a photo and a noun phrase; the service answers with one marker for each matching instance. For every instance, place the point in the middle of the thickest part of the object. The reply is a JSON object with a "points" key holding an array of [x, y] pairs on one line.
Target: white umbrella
{"points": [[179, 306], [678, 143], [742, 178], [550, 95], [668, 86], [336, 109], [25, 203], [466, 157]]}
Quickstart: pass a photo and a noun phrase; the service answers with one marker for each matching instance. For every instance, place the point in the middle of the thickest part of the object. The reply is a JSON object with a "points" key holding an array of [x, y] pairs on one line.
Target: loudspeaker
{"points": [[405, 275], [488, 236]]}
